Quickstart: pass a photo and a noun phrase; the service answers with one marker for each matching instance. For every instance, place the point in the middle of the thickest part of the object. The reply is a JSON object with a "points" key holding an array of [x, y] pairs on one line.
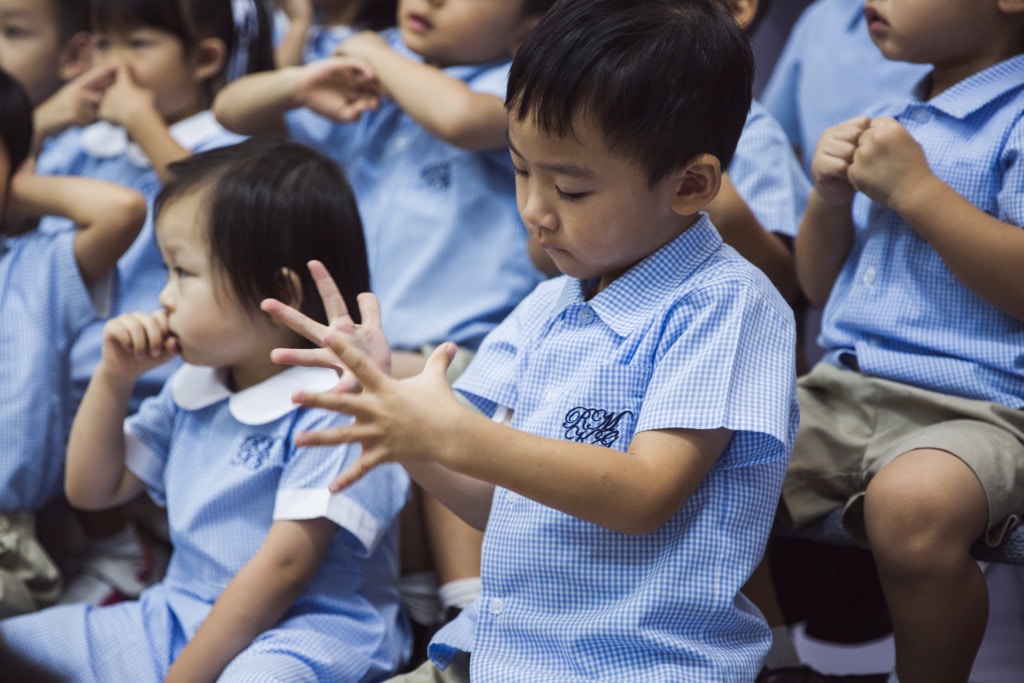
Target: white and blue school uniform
{"points": [[226, 467], [44, 304], [830, 71], [103, 151], [691, 337], [321, 40], [446, 246], [896, 306], [767, 175]]}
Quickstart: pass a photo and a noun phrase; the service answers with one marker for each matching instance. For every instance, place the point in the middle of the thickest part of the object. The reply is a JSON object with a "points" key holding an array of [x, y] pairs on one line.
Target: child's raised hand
{"points": [[832, 159], [888, 162], [340, 88], [367, 336], [296, 10], [76, 103], [395, 420], [361, 44], [136, 342], [124, 98]]}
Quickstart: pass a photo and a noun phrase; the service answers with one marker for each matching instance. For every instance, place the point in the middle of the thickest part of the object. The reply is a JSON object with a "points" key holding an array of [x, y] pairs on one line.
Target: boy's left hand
{"points": [[123, 99], [888, 162]]}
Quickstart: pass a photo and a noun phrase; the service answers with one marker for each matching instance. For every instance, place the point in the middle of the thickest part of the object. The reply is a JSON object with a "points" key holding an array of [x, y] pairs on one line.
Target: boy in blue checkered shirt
{"points": [[643, 404], [912, 243]]}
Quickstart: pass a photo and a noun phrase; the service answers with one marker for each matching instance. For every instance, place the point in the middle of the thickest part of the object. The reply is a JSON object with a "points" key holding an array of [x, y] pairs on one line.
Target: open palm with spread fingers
{"points": [[368, 335]]}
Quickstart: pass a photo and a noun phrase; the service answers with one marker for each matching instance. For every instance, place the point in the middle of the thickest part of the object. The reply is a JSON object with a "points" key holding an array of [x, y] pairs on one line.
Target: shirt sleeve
{"points": [[365, 510], [1008, 199], [148, 435]]}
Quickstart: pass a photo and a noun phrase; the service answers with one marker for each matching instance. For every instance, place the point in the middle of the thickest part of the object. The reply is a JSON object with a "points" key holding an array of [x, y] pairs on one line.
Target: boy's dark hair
{"points": [[273, 204], [377, 15], [536, 8], [664, 81], [15, 121], [191, 21], [72, 17]]}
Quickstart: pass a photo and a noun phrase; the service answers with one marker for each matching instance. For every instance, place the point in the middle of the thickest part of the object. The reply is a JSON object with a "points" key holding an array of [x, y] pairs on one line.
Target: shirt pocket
{"points": [[603, 406]]}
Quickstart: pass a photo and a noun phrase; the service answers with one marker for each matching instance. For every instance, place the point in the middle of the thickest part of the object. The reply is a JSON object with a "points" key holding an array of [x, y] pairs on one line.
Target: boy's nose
{"points": [[535, 212]]}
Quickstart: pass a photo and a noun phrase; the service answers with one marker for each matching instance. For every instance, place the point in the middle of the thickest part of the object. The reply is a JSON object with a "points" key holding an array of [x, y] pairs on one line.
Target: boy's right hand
{"points": [[134, 343], [832, 159], [75, 104], [340, 88]]}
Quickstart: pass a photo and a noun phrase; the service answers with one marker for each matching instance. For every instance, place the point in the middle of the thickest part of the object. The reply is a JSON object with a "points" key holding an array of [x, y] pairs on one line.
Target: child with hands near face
{"points": [[51, 286], [269, 576], [307, 30], [912, 242], [632, 435]]}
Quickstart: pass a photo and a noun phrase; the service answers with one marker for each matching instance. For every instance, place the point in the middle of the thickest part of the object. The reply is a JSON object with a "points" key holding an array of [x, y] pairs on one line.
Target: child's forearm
{"points": [[443, 105], [983, 252], [256, 599], [822, 245], [256, 104], [149, 130], [291, 50], [467, 497], [95, 477]]}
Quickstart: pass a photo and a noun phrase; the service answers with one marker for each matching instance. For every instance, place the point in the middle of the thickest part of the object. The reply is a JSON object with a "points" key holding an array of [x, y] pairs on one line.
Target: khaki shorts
{"points": [[852, 425], [29, 579], [457, 672]]}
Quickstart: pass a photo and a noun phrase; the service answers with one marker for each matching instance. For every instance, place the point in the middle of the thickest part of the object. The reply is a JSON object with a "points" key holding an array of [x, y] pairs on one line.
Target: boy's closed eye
{"points": [[562, 194]]}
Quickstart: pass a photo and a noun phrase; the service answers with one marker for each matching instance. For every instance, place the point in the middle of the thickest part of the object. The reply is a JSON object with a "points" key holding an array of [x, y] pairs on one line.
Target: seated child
{"points": [[50, 288], [912, 242], [649, 392], [307, 30], [270, 576]]}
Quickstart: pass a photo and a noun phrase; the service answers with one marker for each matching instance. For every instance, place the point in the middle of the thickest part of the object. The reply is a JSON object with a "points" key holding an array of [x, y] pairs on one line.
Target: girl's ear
{"points": [[76, 57], [289, 288], [208, 59], [696, 185]]}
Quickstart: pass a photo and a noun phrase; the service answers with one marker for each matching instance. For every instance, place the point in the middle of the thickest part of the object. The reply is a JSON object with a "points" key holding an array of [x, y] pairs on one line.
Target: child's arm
{"points": [[742, 231], [291, 50], [443, 105], [255, 599], [340, 88], [983, 252], [75, 104], [96, 477], [826, 232], [109, 216], [128, 105]]}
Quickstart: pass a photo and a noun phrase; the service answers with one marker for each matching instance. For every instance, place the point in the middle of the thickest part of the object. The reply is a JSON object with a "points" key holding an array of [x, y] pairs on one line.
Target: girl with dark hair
{"points": [[271, 577], [308, 30], [51, 286], [168, 59]]}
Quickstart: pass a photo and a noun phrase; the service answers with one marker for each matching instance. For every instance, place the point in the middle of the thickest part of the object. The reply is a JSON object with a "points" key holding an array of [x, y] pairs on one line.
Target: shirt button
{"points": [[921, 115], [401, 142], [497, 606], [869, 275], [586, 316], [551, 396], [511, 497]]}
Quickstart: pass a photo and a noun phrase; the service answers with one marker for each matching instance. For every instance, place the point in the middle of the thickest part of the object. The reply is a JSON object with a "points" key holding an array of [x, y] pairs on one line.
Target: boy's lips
{"points": [[418, 23], [874, 18]]}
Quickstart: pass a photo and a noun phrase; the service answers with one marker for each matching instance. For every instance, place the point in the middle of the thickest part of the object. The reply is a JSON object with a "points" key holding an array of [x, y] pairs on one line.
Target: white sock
{"points": [[419, 595], [783, 652], [459, 593], [124, 543]]}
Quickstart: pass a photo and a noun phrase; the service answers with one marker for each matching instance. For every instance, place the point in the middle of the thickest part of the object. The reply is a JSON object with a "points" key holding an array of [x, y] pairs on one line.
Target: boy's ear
{"points": [[76, 57], [743, 12], [289, 287], [696, 185], [209, 58]]}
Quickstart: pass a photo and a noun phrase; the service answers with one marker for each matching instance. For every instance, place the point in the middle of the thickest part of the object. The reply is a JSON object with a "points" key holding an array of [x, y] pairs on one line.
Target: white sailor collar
{"points": [[103, 139], [194, 387]]}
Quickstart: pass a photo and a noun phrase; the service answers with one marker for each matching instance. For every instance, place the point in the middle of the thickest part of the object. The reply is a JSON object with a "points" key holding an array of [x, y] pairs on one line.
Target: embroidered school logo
{"points": [[437, 176], [254, 451], [593, 425]]}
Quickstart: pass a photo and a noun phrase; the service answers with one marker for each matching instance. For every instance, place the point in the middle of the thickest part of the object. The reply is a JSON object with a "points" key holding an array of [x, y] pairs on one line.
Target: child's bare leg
{"points": [[922, 513], [454, 545]]}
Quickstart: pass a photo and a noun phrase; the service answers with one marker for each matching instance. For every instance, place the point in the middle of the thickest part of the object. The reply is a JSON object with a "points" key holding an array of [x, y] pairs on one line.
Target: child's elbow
{"points": [[132, 209]]}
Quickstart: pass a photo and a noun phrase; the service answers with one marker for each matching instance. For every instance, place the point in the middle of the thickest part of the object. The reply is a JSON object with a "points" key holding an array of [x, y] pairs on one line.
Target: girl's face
{"points": [[159, 62], [211, 326], [30, 46]]}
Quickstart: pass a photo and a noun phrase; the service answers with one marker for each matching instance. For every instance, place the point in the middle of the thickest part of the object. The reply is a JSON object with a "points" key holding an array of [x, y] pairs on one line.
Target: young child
{"points": [[307, 30], [168, 58], [912, 243], [449, 261], [50, 288], [650, 391], [261, 580]]}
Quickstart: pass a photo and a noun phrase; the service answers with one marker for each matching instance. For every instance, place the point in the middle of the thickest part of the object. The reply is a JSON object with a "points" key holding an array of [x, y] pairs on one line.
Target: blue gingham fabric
{"points": [[767, 174], [895, 304], [226, 467], [44, 304], [830, 71], [447, 248], [103, 151], [692, 337], [321, 40]]}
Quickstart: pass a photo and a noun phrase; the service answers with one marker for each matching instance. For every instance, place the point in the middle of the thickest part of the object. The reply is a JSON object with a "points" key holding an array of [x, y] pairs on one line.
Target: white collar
{"points": [[103, 139], [194, 387]]}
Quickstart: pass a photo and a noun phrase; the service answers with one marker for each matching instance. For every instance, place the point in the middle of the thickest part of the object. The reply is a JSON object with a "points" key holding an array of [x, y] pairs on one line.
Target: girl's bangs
{"points": [[121, 15]]}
